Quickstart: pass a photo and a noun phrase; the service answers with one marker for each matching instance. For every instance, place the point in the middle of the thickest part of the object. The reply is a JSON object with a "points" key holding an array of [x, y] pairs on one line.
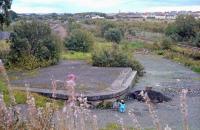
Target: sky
{"points": [[105, 6]]}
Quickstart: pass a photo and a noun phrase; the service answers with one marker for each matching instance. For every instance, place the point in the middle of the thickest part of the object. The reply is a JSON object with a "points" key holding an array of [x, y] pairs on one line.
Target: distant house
{"points": [[196, 14], [97, 17], [87, 16], [4, 35]]}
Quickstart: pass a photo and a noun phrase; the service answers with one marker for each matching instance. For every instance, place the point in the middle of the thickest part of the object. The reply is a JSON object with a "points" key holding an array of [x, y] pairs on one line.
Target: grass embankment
{"points": [[21, 97], [186, 56]]}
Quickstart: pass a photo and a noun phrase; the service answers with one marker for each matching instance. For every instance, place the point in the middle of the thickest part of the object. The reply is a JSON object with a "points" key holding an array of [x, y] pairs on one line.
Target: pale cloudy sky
{"points": [[107, 6]]}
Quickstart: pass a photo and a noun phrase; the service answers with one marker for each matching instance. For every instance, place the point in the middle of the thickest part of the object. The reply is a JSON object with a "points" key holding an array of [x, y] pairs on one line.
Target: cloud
{"points": [[36, 10], [28, 2], [96, 3], [73, 6], [173, 8]]}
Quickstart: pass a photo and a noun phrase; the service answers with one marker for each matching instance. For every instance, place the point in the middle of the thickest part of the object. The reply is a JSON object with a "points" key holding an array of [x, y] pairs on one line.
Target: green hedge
{"points": [[115, 57]]}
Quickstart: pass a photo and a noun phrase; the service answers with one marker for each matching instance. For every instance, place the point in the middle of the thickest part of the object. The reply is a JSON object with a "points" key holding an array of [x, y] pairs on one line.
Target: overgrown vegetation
{"points": [[115, 126], [187, 56], [151, 26], [33, 46]]}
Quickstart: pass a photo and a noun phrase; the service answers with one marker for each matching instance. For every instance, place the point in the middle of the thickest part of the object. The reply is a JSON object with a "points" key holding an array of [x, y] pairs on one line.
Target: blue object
{"points": [[122, 107]]}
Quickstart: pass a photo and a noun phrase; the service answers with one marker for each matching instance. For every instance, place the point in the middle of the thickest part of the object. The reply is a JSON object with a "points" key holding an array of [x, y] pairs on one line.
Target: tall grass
{"points": [[4, 48]]}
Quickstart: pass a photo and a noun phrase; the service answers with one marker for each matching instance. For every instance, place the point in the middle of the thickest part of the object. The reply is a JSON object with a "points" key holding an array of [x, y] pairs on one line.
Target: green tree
{"points": [[80, 40], [197, 40], [106, 26], [113, 35], [183, 29], [5, 5], [33, 39], [13, 15]]}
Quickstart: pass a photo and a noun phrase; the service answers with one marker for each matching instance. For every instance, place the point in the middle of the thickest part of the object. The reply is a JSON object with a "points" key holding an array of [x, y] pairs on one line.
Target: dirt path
{"points": [[161, 74]]}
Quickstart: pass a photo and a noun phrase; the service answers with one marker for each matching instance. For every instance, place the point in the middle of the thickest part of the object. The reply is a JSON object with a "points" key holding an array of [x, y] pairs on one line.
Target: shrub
{"points": [[34, 40], [171, 31], [183, 29], [106, 26], [79, 40], [114, 57], [166, 43], [197, 40], [156, 46], [113, 35], [132, 32]]}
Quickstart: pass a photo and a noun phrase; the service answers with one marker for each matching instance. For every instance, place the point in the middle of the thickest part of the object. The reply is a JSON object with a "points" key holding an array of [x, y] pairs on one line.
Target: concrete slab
{"points": [[96, 83]]}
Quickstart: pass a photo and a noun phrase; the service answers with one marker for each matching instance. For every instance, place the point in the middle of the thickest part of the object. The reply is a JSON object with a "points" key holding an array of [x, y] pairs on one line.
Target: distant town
{"points": [[118, 16]]}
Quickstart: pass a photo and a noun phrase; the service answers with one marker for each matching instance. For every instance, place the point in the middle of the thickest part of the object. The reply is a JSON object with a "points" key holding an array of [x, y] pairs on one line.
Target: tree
{"points": [[197, 40], [33, 39], [5, 5], [106, 26], [113, 35], [80, 40], [183, 29], [13, 15]]}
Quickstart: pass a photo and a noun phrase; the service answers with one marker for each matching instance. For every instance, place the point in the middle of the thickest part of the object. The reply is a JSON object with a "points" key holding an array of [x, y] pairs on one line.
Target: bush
{"points": [[183, 29], [132, 32], [113, 35], [166, 43], [156, 46], [106, 26], [34, 40], [79, 40], [197, 40], [114, 57]]}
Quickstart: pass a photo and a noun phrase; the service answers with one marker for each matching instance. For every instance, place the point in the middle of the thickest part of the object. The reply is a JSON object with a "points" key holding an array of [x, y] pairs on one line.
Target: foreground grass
{"points": [[114, 126], [4, 45], [21, 97], [185, 56], [4, 48]]}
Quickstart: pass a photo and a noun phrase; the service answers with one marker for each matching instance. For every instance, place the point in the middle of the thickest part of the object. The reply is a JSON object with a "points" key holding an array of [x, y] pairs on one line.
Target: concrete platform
{"points": [[96, 83]]}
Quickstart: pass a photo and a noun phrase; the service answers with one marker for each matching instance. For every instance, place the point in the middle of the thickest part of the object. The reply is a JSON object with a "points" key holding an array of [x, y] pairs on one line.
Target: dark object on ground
{"points": [[154, 96], [136, 95]]}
